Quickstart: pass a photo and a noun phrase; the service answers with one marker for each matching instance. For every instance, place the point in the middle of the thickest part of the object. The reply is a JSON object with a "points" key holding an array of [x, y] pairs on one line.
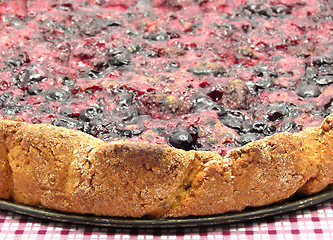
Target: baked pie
{"points": [[164, 108]]}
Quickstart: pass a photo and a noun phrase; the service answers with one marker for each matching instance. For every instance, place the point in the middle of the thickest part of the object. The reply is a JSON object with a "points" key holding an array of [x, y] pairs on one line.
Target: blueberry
{"points": [[259, 126], [281, 10], [27, 77], [308, 91], [93, 74], [67, 81], [153, 53], [67, 7], [320, 61], [100, 64], [265, 72], [100, 128], [180, 138], [12, 109], [68, 112], [91, 113], [206, 103], [126, 114], [290, 126], [202, 103], [324, 80], [233, 120], [34, 90], [135, 47], [5, 97], [67, 123], [129, 133], [13, 63], [220, 110], [113, 23], [264, 83], [276, 112], [326, 70], [120, 59], [247, 138], [171, 66], [56, 95], [125, 100], [45, 109]]}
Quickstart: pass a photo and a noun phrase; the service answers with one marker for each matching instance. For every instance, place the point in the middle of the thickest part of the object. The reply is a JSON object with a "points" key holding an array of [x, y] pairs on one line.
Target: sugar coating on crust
{"points": [[67, 170]]}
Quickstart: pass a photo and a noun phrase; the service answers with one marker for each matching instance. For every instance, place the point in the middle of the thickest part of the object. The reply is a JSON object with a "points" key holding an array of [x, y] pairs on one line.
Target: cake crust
{"points": [[67, 170]]}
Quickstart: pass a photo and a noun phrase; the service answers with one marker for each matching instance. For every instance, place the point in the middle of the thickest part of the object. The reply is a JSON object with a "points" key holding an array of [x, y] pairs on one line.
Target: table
{"points": [[315, 222]]}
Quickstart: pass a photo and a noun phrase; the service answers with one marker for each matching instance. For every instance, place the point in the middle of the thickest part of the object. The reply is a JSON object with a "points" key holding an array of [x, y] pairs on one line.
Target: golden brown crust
{"points": [[67, 170]]}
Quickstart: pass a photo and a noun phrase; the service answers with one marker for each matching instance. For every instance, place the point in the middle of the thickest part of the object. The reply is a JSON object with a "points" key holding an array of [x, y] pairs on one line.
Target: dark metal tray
{"points": [[291, 204]]}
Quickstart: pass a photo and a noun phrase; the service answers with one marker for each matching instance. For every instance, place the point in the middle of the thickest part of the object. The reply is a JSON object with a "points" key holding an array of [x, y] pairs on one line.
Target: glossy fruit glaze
{"points": [[194, 74]]}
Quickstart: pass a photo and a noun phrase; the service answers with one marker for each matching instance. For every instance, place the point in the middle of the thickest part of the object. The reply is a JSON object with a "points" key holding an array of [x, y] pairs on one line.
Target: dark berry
{"points": [[259, 126], [100, 128], [320, 61], [215, 94], [68, 112], [308, 91], [202, 103], [120, 59], [12, 109], [5, 97], [129, 133], [324, 80], [126, 114], [233, 120], [159, 36], [13, 63], [281, 10], [67, 7], [67, 81], [135, 47], [180, 138], [100, 64], [265, 72], [56, 95], [326, 70], [264, 83], [67, 123], [91, 113], [171, 66], [278, 111], [125, 100], [93, 74], [290, 126], [113, 23], [27, 77], [34, 90], [247, 138]]}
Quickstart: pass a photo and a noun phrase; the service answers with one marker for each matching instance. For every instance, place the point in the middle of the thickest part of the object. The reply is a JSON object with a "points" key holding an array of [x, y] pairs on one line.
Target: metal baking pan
{"points": [[292, 204]]}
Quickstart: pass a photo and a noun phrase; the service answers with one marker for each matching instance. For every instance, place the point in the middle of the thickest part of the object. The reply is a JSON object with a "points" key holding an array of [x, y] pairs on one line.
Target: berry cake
{"points": [[164, 108]]}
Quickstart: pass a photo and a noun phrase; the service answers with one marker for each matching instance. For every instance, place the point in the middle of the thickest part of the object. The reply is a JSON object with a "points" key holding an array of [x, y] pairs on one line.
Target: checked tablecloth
{"points": [[315, 222]]}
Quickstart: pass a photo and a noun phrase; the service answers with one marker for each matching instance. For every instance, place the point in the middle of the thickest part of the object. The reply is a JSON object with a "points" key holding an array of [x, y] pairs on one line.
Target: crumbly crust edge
{"points": [[66, 170]]}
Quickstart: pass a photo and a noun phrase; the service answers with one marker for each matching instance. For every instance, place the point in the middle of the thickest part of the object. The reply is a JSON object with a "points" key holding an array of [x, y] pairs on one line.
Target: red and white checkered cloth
{"points": [[315, 222]]}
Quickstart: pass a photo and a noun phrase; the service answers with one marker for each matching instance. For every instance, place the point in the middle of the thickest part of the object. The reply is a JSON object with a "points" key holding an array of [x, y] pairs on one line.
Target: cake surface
{"points": [[173, 107]]}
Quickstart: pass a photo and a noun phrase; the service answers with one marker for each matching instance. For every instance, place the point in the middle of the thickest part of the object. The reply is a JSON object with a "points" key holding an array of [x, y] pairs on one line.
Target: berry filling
{"points": [[196, 75]]}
